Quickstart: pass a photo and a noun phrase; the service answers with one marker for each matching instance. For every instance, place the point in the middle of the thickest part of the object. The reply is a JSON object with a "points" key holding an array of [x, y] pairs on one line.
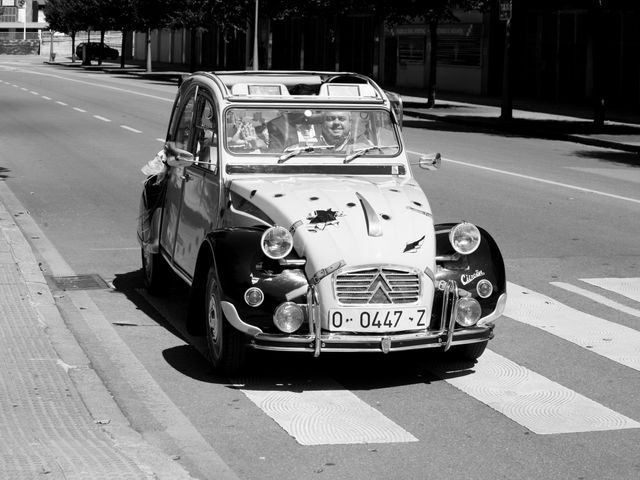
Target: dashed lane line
{"points": [[130, 129], [77, 109], [597, 298], [611, 340]]}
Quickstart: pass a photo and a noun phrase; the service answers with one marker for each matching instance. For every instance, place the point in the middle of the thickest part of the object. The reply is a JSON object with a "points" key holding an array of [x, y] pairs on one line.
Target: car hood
{"points": [[347, 221]]}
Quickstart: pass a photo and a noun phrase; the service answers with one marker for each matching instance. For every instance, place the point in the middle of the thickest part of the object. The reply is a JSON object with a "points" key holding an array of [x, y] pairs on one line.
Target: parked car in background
{"points": [[96, 51], [289, 207]]}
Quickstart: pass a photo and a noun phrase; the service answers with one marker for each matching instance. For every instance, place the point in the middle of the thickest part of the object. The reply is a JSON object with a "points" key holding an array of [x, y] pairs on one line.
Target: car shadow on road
{"points": [[4, 173], [288, 371], [298, 372]]}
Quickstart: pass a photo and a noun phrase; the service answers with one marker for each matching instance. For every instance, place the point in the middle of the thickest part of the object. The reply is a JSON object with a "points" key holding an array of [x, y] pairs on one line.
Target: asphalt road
{"points": [[555, 397]]}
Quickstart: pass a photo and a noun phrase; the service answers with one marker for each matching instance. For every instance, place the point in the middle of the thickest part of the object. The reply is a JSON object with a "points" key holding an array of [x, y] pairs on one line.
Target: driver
{"points": [[336, 129]]}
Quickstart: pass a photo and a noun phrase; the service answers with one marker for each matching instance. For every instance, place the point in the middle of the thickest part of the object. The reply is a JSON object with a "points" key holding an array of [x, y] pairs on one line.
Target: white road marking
{"points": [[130, 129], [541, 180], [34, 93], [101, 118], [46, 98], [160, 139], [597, 298], [95, 84], [627, 287], [79, 110], [325, 417], [533, 401], [612, 341], [61, 103], [25, 89]]}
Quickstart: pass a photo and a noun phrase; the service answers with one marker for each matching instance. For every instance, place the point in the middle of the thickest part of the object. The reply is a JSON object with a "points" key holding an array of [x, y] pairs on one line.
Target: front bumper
{"points": [[319, 341]]}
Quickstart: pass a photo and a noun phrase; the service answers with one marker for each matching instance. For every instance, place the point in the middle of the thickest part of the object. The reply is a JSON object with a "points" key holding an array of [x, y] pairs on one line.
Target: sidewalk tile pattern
{"points": [[45, 429]]}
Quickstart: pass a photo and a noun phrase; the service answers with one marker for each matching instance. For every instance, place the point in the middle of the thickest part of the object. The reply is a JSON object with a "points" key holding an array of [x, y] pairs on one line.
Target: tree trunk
{"points": [[193, 56], [123, 48], [101, 47], [433, 62], [598, 72], [148, 50], [506, 110], [73, 47]]}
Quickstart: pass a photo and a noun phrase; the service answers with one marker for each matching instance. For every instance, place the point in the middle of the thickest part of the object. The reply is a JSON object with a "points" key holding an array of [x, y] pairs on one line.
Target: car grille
{"points": [[377, 286]]}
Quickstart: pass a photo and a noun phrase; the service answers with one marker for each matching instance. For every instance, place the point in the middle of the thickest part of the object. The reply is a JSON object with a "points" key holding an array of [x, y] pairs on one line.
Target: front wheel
{"points": [[469, 351], [227, 350]]}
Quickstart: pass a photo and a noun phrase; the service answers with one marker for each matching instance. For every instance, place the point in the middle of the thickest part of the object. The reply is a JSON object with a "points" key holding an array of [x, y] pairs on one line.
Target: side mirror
{"points": [[430, 162], [177, 157]]}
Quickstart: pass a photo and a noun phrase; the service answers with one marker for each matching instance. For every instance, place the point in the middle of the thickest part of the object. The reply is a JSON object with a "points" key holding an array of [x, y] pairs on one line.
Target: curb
{"points": [[492, 125], [97, 402]]}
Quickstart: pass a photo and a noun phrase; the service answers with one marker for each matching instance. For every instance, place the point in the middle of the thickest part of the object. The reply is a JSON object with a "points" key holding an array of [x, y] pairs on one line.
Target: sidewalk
{"points": [[57, 419], [533, 120]]}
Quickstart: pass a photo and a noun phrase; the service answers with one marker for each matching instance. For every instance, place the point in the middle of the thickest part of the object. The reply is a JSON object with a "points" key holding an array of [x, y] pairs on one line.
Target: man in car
{"points": [[336, 130]]}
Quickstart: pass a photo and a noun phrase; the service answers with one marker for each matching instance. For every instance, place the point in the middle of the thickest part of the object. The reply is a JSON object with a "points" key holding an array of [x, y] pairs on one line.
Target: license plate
{"points": [[370, 320]]}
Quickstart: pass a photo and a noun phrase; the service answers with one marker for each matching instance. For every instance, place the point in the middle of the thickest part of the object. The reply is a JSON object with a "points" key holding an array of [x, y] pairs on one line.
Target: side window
{"points": [[206, 129], [183, 134]]}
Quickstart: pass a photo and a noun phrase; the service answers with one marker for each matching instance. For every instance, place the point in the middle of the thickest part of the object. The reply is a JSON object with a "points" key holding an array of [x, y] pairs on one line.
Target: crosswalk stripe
{"points": [[613, 341], [598, 298], [627, 287], [531, 400], [330, 416]]}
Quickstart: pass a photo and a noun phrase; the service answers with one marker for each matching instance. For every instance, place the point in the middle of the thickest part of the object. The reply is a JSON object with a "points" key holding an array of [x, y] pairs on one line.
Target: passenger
{"points": [[244, 135]]}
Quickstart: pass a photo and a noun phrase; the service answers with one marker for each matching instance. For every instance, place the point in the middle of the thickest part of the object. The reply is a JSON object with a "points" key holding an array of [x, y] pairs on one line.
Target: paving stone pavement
{"points": [[46, 428]]}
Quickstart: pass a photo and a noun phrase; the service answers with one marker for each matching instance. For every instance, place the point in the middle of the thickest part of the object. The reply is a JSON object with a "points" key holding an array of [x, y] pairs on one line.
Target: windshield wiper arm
{"points": [[362, 151], [296, 150]]}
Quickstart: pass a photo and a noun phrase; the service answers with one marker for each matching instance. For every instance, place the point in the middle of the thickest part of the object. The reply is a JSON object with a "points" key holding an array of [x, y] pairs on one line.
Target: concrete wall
{"points": [[20, 47]]}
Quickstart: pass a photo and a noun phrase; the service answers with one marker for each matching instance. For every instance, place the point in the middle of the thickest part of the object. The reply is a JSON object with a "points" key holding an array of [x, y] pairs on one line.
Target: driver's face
{"points": [[336, 126]]}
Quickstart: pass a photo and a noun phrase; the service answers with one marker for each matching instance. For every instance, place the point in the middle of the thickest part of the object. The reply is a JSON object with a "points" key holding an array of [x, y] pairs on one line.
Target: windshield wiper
{"points": [[296, 150], [362, 151]]}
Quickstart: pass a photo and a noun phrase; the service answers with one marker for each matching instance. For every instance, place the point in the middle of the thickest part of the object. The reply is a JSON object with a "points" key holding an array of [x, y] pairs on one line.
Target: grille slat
{"points": [[377, 286]]}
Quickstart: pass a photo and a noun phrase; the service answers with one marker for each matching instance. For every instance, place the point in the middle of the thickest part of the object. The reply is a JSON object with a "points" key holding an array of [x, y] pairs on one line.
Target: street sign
{"points": [[505, 9]]}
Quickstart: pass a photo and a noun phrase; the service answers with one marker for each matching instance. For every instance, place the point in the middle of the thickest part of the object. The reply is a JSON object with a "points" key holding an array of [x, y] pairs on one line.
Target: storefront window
{"points": [[460, 44], [411, 49]]}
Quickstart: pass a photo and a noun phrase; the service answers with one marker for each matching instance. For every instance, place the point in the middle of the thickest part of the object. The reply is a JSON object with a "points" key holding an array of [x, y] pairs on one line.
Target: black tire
{"points": [[156, 273], [227, 347], [469, 351]]}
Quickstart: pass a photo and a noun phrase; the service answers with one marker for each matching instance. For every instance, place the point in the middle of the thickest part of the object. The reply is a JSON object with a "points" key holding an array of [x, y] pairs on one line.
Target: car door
{"points": [[181, 133], [201, 190]]}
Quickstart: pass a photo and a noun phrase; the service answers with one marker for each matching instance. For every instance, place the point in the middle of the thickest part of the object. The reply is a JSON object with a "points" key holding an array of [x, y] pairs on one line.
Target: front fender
{"points": [[467, 270], [242, 264]]}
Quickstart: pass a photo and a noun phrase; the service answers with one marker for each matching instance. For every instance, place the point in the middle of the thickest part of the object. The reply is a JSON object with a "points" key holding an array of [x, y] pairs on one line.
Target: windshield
{"points": [[288, 133]]}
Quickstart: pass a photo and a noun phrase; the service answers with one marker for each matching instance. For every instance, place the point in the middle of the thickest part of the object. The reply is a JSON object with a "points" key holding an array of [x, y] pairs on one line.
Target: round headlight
{"points": [[253, 296], [468, 311], [276, 242], [465, 238], [484, 288], [288, 317]]}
